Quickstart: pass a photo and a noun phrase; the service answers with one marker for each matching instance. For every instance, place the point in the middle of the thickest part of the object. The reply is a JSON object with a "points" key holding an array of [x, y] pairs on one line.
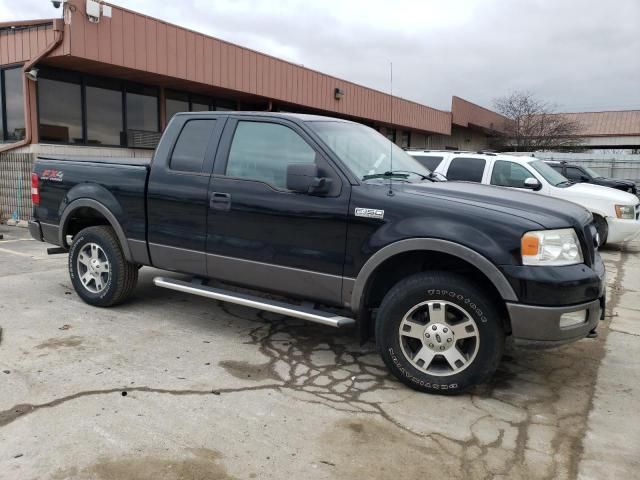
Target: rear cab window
{"points": [[466, 169], [191, 147]]}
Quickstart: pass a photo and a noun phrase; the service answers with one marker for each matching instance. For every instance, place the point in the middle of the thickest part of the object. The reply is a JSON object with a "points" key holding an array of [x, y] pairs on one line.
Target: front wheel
{"points": [[100, 273], [439, 333]]}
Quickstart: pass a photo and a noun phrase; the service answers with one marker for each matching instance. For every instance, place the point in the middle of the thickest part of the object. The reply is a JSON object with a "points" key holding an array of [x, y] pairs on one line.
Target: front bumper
{"points": [[539, 327], [622, 230]]}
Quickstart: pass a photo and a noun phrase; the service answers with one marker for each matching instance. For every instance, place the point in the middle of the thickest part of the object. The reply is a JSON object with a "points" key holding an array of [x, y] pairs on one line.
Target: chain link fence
{"points": [[623, 166], [15, 186]]}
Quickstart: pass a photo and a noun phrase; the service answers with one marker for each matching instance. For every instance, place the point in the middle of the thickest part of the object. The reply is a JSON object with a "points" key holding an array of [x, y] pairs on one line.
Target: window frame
{"points": [[493, 168], [84, 80], [482, 176], [3, 104], [206, 164], [581, 173], [222, 156], [420, 156], [212, 102]]}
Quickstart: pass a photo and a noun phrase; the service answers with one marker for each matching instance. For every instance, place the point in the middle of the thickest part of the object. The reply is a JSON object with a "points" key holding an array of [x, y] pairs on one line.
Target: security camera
{"points": [[57, 3]]}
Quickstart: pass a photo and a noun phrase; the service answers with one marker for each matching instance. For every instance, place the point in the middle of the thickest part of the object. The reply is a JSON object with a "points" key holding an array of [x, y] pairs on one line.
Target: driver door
{"points": [[262, 235]]}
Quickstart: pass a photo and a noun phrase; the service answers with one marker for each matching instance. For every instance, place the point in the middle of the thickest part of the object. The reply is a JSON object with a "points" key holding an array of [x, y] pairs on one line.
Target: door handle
{"points": [[220, 201]]}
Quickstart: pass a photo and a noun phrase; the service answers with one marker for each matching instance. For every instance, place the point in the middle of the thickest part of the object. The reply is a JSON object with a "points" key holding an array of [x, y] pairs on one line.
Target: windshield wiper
{"points": [[566, 182], [401, 174]]}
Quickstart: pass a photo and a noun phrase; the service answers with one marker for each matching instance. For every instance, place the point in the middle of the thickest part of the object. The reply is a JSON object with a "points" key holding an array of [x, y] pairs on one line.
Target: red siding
{"points": [[464, 113], [150, 48]]}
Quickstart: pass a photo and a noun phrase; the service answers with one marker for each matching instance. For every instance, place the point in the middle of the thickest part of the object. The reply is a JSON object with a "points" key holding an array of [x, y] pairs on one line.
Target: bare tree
{"points": [[533, 125]]}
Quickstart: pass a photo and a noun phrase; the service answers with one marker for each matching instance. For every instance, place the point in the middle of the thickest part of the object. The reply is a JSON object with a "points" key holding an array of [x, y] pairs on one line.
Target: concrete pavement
{"points": [[172, 386]]}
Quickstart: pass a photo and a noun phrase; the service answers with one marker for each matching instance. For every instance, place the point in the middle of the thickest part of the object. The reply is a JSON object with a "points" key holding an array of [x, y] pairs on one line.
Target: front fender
{"points": [[492, 272]]}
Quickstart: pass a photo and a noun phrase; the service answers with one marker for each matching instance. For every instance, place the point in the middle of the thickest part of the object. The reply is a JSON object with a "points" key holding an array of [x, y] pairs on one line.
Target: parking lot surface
{"points": [[172, 386]]}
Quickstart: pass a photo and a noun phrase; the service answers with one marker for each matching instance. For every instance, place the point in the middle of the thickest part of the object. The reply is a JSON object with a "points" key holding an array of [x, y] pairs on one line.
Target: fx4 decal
{"points": [[52, 175]]}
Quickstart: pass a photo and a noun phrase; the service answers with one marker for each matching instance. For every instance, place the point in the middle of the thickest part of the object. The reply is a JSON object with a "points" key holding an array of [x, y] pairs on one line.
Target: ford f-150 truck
{"points": [[334, 217]]}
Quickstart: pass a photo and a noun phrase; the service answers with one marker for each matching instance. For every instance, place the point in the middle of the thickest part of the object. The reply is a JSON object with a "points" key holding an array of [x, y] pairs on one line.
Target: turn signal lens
{"points": [[530, 245]]}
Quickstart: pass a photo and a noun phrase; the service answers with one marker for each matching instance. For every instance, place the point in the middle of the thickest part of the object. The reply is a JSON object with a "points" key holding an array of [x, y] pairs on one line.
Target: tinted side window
{"points": [[557, 168], [261, 151], [428, 161], [509, 174], [191, 146], [467, 169], [574, 173]]}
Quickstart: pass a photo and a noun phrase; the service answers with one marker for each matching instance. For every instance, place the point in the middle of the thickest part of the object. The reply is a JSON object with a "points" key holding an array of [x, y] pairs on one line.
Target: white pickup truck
{"points": [[616, 213]]}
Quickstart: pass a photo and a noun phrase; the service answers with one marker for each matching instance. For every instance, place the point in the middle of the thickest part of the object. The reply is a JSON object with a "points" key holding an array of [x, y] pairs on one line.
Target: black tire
{"points": [[602, 227], [116, 284], [462, 298]]}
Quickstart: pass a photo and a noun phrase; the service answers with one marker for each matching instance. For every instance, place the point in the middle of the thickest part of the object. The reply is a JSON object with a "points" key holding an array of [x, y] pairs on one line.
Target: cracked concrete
{"points": [[173, 386]]}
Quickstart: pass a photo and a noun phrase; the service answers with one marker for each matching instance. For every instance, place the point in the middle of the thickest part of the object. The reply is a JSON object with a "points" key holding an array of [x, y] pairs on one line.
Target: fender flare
{"points": [[89, 203], [492, 272]]}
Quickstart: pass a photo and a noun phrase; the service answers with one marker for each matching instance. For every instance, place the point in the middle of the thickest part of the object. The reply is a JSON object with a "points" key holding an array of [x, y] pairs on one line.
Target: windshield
{"points": [[549, 174], [366, 152], [592, 172]]}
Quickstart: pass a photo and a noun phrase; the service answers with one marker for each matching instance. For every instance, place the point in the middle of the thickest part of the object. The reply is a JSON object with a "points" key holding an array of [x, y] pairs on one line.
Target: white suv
{"points": [[616, 214]]}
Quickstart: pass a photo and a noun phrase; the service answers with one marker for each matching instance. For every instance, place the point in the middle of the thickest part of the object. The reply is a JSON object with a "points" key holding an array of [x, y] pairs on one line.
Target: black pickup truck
{"points": [[329, 213]]}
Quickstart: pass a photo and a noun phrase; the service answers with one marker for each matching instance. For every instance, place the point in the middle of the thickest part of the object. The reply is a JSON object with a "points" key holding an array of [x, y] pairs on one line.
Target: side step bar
{"points": [[297, 311]]}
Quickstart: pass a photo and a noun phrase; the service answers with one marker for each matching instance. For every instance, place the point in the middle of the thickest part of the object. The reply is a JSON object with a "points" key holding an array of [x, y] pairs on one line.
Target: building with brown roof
{"points": [[615, 130]]}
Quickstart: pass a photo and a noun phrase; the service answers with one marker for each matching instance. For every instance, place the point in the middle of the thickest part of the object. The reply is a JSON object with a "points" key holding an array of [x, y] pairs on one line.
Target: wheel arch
{"points": [[413, 256], [94, 213]]}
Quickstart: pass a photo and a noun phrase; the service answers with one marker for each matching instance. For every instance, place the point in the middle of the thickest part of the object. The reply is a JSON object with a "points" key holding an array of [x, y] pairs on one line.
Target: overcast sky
{"points": [[581, 55]]}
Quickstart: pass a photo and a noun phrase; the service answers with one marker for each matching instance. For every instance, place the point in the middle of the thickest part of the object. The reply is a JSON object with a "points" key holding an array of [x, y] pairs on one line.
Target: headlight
{"points": [[625, 211], [551, 247]]}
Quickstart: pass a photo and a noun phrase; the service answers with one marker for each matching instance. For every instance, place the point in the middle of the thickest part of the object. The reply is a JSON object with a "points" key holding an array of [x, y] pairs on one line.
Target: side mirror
{"points": [[532, 183], [584, 178], [303, 178]]}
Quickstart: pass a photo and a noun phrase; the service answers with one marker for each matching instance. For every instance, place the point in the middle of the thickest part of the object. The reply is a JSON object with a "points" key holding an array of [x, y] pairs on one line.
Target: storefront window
{"points": [[176, 102], [142, 109], [12, 106], [60, 110], [104, 113], [199, 104]]}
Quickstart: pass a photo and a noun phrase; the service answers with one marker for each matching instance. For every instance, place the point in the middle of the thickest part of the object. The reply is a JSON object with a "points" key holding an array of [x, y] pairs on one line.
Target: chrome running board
{"points": [[297, 311]]}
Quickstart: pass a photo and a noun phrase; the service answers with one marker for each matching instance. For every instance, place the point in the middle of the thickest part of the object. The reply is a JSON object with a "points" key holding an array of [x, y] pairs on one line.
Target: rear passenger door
{"points": [[468, 169], [264, 236], [177, 194]]}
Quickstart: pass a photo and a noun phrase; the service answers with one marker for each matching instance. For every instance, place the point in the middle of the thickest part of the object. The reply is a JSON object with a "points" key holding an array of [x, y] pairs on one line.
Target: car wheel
{"points": [[99, 271], [602, 227], [439, 333]]}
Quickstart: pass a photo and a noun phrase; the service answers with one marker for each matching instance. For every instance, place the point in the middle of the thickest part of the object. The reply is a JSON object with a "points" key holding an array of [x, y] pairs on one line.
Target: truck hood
{"points": [[547, 211], [614, 182], [598, 192]]}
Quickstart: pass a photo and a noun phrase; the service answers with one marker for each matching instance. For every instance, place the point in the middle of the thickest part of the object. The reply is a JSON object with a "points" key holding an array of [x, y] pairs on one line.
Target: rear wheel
{"points": [[439, 333], [602, 227], [100, 273]]}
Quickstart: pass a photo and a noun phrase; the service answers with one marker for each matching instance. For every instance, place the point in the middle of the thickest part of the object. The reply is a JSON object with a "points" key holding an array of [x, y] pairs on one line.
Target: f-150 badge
{"points": [[369, 213]]}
